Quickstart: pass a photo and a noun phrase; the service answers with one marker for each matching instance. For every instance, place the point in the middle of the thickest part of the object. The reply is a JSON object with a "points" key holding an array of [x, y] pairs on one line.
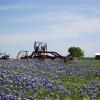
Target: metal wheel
{"points": [[22, 55]]}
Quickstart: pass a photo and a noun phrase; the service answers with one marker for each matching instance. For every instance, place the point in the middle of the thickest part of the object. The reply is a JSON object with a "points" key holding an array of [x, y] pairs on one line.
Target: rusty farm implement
{"points": [[40, 52]]}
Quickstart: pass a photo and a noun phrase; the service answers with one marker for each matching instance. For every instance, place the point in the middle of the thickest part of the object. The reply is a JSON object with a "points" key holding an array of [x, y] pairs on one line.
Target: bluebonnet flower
{"points": [[49, 75]]}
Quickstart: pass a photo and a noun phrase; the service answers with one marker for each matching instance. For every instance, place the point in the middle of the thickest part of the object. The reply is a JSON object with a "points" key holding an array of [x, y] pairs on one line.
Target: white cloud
{"points": [[25, 38], [71, 26], [65, 22], [61, 25]]}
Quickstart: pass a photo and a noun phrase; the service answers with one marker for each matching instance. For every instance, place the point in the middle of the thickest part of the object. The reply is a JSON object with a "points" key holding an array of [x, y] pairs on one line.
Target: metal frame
{"points": [[40, 52]]}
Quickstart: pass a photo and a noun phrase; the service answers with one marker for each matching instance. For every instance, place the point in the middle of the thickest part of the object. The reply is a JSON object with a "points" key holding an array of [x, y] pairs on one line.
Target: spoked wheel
{"points": [[22, 55]]}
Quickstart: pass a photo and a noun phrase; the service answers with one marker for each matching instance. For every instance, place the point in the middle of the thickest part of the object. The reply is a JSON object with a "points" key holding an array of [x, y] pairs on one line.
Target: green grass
{"points": [[64, 79], [18, 69]]}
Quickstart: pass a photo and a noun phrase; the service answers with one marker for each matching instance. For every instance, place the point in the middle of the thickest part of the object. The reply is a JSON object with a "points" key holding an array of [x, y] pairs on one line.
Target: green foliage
{"points": [[75, 52], [18, 69]]}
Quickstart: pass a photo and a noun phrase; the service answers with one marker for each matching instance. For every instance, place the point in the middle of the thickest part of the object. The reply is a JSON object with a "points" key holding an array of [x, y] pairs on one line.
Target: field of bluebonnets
{"points": [[49, 80]]}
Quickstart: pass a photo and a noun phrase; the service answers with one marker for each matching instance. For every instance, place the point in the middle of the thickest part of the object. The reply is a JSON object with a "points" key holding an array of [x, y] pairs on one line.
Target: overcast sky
{"points": [[59, 23]]}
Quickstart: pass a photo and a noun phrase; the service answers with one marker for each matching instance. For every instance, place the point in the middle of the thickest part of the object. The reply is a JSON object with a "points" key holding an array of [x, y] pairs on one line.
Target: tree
{"points": [[75, 52]]}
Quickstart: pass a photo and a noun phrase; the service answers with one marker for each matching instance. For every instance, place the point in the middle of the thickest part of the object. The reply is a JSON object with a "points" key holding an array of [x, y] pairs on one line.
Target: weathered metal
{"points": [[4, 56], [22, 55], [47, 55], [39, 46], [40, 52]]}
